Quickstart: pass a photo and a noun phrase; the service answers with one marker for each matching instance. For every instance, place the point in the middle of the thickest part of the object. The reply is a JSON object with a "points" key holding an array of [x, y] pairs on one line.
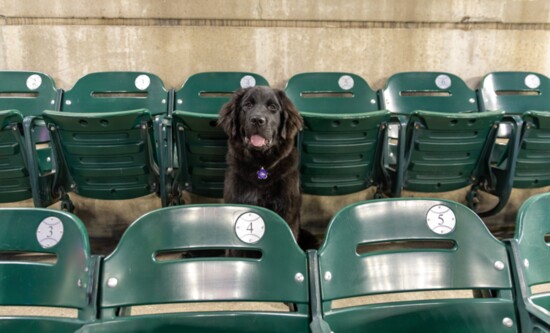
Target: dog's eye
{"points": [[273, 107], [247, 106]]}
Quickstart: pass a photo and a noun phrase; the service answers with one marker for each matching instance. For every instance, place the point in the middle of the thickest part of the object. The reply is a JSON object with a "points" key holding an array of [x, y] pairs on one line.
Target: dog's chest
{"points": [[263, 192]]}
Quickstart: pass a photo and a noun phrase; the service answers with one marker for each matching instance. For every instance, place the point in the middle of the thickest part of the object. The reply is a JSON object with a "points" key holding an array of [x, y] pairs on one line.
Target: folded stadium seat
{"points": [[104, 138], [443, 141], [199, 165], [521, 160], [149, 267], [24, 94], [531, 262], [45, 261], [343, 136], [411, 265]]}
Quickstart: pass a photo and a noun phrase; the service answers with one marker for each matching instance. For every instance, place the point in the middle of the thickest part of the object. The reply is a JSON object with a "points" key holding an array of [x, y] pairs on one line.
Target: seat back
{"points": [[15, 183], [533, 154], [446, 152], [29, 280], [22, 94], [104, 137], [395, 246], [28, 92], [531, 251], [408, 92], [116, 91], [443, 142], [135, 275], [525, 97], [340, 146], [514, 92], [201, 144]]}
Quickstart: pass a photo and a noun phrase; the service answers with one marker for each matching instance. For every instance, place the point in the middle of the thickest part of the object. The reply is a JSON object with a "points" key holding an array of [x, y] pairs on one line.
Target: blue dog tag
{"points": [[262, 174]]}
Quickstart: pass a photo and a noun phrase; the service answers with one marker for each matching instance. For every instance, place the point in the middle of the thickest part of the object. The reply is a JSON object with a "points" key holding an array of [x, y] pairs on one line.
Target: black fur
{"points": [[262, 125]]}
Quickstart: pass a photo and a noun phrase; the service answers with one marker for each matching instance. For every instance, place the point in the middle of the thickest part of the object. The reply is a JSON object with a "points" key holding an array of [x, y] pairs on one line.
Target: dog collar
{"points": [[262, 174]]}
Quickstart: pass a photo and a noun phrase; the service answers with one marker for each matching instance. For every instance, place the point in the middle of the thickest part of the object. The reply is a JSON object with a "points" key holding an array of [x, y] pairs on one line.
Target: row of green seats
{"points": [[122, 135], [96, 139], [388, 265], [434, 134], [111, 136]]}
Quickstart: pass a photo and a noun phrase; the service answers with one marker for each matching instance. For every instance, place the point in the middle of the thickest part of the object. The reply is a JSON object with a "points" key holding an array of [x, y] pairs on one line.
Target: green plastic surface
{"points": [[105, 155], [16, 92], [444, 142], [444, 152], [533, 156], [67, 283], [343, 129], [142, 279], [511, 92], [468, 264], [116, 91], [201, 144], [15, 184], [515, 92], [531, 227], [408, 92], [29, 93], [105, 142], [207, 323], [331, 93], [529, 251]]}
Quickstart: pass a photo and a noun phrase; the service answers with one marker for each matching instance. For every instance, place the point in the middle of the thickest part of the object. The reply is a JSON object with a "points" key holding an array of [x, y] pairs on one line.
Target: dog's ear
{"points": [[292, 121], [229, 115]]}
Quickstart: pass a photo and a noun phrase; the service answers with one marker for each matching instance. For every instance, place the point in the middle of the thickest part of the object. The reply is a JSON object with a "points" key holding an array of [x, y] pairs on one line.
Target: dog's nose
{"points": [[258, 120]]}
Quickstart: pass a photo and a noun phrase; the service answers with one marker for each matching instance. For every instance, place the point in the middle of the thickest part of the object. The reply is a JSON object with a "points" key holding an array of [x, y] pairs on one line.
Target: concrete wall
{"points": [[175, 39]]}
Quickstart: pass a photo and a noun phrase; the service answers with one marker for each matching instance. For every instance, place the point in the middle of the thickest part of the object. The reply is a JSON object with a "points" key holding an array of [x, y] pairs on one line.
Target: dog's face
{"points": [[260, 117]]}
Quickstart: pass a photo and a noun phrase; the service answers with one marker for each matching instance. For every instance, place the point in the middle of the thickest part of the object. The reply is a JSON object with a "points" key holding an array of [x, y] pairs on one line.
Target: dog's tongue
{"points": [[257, 140]]}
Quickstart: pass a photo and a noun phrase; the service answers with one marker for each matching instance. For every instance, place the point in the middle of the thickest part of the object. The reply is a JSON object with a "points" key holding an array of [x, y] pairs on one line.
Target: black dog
{"points": [[262, 125]]}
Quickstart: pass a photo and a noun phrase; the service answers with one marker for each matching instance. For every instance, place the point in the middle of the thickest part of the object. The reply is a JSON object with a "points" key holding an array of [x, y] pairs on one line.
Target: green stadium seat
{"points": [[514, 92], [521, 160], [24, 94], [199, 164], [395, 247], [343, 136], [444, 143], [65, 279], [135, 274], [15, 183], [104, 137], [530, 252]]}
